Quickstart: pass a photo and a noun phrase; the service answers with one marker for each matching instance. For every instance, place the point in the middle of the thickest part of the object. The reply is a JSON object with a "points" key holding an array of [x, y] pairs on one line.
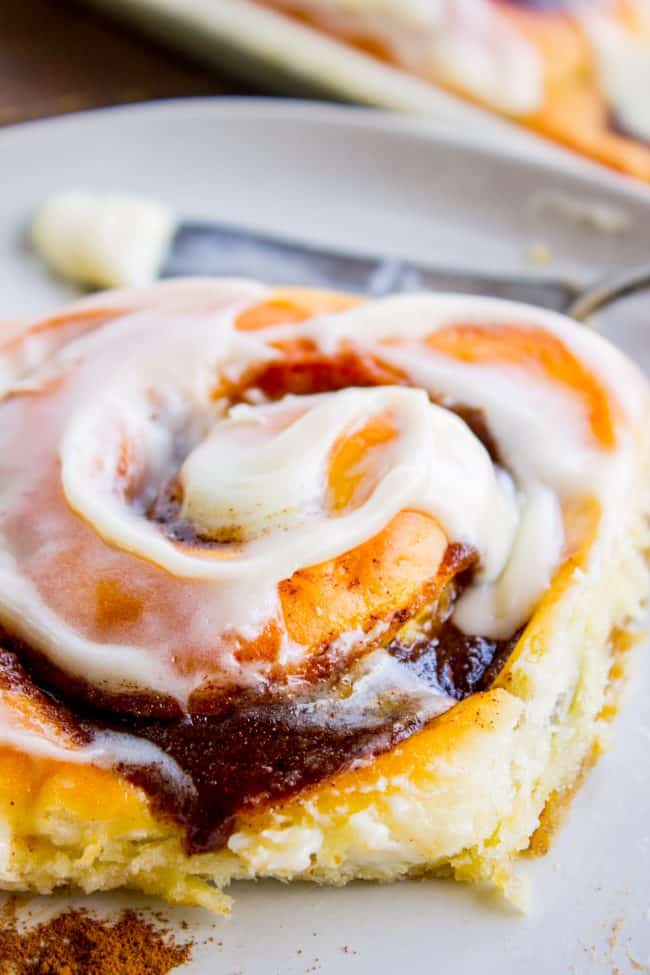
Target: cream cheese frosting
{"points": [[467, 43], [134, 402], [109, 240], [624, 68]]}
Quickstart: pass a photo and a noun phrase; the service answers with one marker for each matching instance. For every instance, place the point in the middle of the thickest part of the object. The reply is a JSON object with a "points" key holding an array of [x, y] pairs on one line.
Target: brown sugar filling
{"points": [[255, 749]]}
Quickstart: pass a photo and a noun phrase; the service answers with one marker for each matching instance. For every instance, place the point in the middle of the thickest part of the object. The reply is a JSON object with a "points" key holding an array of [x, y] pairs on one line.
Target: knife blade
{"points": [[217, 249]]}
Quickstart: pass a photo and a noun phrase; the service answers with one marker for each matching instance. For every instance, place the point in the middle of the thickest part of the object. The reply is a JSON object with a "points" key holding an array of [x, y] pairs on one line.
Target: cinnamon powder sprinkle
{"points": [[77, 943]]}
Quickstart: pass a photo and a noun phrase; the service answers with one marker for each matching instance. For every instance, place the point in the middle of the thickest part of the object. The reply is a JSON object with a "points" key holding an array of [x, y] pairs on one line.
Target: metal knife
{"points": [[216, 249]]}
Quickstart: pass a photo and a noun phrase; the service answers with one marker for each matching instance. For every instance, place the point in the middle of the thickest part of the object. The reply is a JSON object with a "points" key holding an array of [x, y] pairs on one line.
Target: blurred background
{"points": [[575, 73], [58, 56]]}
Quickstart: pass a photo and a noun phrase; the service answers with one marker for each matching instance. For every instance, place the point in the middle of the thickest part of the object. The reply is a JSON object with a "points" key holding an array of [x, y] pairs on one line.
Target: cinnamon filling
{"points": [[255, 749], [242, 750]]}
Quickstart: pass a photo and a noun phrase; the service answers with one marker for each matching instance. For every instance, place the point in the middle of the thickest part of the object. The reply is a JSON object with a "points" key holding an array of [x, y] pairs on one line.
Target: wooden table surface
{"points": [[57, 57]]}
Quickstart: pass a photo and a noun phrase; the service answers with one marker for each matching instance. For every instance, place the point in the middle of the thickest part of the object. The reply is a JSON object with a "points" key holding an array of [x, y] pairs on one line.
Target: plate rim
{"points": [[418, 127]]}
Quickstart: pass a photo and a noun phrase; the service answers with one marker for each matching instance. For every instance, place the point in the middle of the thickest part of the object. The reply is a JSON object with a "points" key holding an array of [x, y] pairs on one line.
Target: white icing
{"points": [[375, 682], [540, 428], [624, 68], [474, 47], [103, 240], [42, 739], [464, 43], [409, 318], [490, 608], [279, 482], [263, 469]]}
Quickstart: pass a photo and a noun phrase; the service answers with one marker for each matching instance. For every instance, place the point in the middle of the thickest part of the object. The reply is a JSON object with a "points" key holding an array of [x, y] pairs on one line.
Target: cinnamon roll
{"points": [[298, 585], [577, 71]]}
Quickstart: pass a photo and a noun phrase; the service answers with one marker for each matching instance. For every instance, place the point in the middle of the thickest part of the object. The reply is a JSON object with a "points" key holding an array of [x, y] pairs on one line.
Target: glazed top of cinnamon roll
{"points": [[577, 71], [275, 531]]}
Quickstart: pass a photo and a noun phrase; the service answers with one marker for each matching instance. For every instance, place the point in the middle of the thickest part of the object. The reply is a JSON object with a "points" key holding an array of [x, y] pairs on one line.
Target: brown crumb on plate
{"points": [[616, 928], [540, 254], [637, 966]]}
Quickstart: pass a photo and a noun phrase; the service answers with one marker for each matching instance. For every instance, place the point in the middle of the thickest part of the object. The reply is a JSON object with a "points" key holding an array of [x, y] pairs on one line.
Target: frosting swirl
{"points": [[175, 461]]}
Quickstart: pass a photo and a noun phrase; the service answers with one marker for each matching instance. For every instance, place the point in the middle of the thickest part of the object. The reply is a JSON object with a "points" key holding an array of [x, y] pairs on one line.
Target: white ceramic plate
{"points": [[367, 180]]}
